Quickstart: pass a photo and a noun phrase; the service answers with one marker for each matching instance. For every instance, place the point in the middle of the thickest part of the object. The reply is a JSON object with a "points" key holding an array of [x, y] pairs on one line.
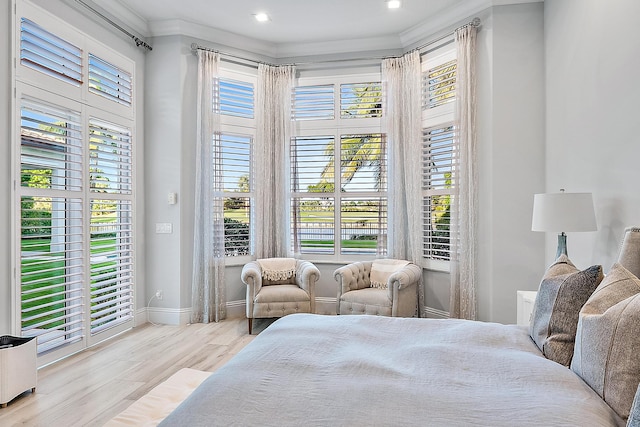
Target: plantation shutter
{"points": [[109, 81], [313, 102], [360, 100], [47, 53], [111, 227], [237, 187], [439, 85], [235, 98], [438, 178], [51, 218]]}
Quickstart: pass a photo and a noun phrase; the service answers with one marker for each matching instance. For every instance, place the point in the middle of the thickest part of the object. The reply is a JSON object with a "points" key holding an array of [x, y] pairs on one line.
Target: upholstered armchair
{"points": [[279, 286], [395, 293]]}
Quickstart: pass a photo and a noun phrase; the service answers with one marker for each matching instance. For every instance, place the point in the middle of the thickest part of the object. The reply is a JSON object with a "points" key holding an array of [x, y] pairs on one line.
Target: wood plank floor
{"points": [[93, 386]]}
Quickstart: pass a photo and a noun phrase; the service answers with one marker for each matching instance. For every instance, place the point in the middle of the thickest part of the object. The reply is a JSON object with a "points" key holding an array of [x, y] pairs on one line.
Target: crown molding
{"points": [[184, 28], [284, 50], [124, 14]]}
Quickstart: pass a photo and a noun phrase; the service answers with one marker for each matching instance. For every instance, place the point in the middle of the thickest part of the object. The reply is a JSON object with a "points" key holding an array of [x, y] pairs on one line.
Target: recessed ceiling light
{"points": [[393, 4], [261, 17]]}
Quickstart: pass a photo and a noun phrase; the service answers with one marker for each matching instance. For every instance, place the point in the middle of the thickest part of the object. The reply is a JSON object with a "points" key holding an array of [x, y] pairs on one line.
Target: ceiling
{"points": [[341, 25]]}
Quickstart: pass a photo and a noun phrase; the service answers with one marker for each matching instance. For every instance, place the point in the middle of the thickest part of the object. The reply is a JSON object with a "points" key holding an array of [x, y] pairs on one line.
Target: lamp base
{"points": [[562, 245]]}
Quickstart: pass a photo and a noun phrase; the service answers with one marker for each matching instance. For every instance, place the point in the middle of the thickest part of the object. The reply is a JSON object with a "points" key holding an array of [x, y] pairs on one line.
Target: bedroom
{"points": [[545, 69]]}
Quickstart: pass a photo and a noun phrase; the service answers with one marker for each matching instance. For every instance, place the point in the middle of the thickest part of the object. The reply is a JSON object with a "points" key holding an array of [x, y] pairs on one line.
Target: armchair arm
{"points": [[404, 278], [307, 275], [352, 277], [252, 277]]}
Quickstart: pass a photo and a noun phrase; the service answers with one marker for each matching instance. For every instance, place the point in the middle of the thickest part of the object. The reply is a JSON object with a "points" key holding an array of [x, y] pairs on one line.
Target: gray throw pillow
{"points": [[607, 340], [562, 293]]}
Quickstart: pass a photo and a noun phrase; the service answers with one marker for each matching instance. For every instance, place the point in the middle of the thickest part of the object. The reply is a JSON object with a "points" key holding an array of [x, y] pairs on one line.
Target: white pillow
{"points": [[381, 269]]}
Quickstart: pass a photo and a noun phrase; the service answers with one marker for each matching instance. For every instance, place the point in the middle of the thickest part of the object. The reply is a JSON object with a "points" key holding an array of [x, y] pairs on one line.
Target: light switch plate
{"points": [[164, 228]]}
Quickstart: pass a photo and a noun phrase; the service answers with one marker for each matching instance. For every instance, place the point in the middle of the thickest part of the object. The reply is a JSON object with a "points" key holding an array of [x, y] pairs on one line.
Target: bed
{"points": [[316, 370]]}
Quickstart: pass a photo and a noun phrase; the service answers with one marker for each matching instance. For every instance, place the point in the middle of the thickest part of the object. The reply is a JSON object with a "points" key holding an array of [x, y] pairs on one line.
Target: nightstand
{"points": [[525, 302]]}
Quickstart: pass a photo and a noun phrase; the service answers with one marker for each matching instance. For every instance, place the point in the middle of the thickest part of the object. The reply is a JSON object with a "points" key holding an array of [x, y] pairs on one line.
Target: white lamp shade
{"points": [[562, 212]]}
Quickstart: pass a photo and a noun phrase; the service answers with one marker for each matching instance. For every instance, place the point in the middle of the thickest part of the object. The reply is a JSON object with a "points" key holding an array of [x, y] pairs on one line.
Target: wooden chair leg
{"points": [[250, 324]]}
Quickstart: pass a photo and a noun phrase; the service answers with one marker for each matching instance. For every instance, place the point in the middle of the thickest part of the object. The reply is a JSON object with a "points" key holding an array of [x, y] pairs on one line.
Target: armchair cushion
{"points": [[382, 269]]}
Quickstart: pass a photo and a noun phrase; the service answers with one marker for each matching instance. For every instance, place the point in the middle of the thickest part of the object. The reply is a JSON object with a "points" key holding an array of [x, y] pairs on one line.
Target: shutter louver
{"points": [[439, 85], [363, 163], [109, 158], [360, 100], [50, 149], [49, 54], [314, 224], [236, 179], [439, 165], [111, 263], [364, 225], [51, 279], [313, 102], [235, 98], [109, 81]]}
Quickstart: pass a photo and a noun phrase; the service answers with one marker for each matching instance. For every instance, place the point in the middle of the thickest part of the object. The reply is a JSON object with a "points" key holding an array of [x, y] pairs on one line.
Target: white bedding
{"points": [[317, 370]]}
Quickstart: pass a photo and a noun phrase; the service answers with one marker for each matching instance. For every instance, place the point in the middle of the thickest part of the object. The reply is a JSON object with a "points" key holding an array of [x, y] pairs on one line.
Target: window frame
{"points": [[438, 116], [336, 127]]}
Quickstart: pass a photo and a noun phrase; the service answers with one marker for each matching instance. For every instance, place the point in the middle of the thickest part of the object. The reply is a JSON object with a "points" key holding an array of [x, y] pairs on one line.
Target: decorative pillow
{"points": [[381, 269], [634, 416], [607, 340], [562, 293], [630, 251], [277, 269]]}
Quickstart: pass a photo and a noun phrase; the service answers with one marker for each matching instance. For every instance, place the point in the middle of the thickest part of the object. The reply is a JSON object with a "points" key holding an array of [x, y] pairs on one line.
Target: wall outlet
{"points": [[159, 294]]}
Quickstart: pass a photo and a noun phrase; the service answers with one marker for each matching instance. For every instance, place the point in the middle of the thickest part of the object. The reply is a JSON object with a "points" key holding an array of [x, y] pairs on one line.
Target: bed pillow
{"points": [[608, 342], [562, 293], [381, 269]]}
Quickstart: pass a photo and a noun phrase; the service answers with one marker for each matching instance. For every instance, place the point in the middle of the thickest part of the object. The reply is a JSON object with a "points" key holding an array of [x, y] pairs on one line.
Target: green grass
{"points": [[306, 216]]}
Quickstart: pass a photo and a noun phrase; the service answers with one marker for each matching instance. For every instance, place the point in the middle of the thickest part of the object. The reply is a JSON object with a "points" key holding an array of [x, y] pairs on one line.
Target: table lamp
{"points": [[562, 212]]}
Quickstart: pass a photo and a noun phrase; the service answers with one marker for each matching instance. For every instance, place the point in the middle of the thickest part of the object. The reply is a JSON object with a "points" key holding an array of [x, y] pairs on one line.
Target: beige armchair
{"points": [[279, 286], [356, 295]]}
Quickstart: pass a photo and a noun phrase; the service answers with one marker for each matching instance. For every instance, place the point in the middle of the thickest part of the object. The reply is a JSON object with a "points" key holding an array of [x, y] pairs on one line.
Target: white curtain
{"points": [[402, 125], [208, 285], [272, 210], [465, 198]]}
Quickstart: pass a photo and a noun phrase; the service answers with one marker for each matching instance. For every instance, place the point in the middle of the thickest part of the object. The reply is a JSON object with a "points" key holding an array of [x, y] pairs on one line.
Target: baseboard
{"points": [[434, 313], [169, 316], [236, 309], [326, 305]]}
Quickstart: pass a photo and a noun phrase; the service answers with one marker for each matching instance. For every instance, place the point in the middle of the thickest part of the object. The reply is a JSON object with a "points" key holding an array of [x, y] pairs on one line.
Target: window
{"points": [[75, 198], [237, 187], [439, 148], [338, 169], [235, 101]]}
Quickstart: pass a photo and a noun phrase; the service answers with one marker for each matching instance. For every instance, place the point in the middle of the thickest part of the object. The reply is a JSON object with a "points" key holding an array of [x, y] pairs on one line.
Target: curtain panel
{"points": [[465, 197], [208, 283], [273, 132], [403, 128]]}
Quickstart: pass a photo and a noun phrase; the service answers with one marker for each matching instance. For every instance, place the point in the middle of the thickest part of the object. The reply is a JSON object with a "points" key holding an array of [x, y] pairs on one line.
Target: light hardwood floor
{"points": [[93, 386]]}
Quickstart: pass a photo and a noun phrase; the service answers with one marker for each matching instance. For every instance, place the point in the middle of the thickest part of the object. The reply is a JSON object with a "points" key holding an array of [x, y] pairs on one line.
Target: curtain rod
{"points": [[139, 42], [475, 22]]}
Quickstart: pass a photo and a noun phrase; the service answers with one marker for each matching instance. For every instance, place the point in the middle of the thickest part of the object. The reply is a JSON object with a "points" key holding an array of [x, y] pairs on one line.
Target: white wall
{"points": [[592, 52], [511, 154]]}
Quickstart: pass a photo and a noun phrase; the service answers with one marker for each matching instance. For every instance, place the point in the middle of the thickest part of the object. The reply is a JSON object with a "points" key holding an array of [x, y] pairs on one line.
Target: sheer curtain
{"points": [[402, 125], [273, 123], [465, 198], [208, 285]]}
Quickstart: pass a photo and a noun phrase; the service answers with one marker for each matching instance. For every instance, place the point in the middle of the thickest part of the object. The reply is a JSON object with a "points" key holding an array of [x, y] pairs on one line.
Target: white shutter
{"points": [[237, 186], [363, 162], [363, 225], [111, 263], [439, 85], [109, 81], [109, 158], [312, 164], [111, 228], [236, 98], [313, 224], [360, 100], [48, 53], [313, 102], [51, 218], [438, 178]]}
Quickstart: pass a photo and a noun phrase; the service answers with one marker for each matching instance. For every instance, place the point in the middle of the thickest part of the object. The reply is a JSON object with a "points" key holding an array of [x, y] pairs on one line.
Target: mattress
{"points": [[318, 370]]}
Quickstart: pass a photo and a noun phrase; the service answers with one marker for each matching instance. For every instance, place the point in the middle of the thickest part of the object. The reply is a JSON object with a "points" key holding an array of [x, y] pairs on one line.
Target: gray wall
{"points": [[5, 168], [592, 115]]}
